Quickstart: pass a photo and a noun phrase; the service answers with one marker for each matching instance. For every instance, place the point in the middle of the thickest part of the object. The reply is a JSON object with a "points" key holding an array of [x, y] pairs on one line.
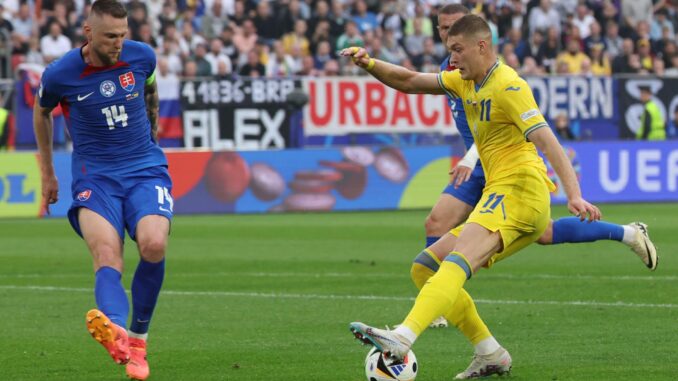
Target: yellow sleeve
{"points": [[517, 101], [450, 81]]}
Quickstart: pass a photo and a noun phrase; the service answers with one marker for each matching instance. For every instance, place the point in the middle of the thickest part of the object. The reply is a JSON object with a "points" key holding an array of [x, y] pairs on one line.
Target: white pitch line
{"points": [[274, 295], [484, 275]]}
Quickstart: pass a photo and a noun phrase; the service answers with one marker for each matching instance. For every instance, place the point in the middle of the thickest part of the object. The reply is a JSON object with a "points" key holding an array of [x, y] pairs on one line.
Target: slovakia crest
{"points": [[127, 81], [84, 195], [107, 88]]}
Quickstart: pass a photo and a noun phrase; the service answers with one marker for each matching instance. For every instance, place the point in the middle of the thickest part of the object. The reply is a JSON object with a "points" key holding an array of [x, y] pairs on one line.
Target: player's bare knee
{"points": [[106, 254], [152, 247], [434, 226]]}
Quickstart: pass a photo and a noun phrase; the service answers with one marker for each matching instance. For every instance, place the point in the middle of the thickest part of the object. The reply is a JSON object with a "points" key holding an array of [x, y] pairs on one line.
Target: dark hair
{"points": [[453, 9], [469, 25], [109, 7]]}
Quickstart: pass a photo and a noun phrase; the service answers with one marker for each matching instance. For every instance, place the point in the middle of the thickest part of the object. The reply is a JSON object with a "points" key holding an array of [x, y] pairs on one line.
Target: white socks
{"points": [[629, 234], [487, 346], [406, 333]]}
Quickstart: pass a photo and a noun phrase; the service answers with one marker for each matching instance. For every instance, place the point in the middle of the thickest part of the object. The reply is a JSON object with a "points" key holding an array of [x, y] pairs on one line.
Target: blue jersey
{"points": [[457, 107], [105, 110]]}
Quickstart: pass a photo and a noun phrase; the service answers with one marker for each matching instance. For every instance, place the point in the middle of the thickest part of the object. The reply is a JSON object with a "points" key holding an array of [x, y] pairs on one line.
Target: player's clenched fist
{"points": [[359, 56]]}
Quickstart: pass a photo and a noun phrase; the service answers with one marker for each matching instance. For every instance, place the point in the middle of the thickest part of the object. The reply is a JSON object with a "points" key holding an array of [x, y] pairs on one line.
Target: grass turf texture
{"points": [[269, 297]]}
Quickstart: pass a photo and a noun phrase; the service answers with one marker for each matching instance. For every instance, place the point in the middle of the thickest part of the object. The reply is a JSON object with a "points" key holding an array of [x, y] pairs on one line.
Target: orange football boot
{"points": [[110, 335], [137, 367]]}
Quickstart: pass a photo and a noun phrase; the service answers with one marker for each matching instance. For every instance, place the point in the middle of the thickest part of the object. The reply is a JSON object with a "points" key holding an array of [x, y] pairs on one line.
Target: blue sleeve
{"points": [[49, 92], [149, 59]]}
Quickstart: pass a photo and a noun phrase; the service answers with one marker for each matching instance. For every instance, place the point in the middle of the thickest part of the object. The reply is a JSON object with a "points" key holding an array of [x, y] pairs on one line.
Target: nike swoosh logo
{"points": [[512, 88], [83, 97], [164, 210]]}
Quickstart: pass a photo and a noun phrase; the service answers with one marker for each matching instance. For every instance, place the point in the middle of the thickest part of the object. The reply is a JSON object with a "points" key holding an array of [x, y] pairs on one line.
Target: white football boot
{"points": [[440, 322], [499, 362], [390, 343], [643, 246]]}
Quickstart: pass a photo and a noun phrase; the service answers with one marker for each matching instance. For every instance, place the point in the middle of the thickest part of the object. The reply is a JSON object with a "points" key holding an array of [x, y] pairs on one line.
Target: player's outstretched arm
{"points": [[395, 76], [44, 130], [544, 139], [152, 106]]}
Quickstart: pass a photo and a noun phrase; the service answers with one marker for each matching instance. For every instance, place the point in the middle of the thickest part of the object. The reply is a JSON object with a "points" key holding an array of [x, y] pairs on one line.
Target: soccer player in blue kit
{"points": [[108, 93]]}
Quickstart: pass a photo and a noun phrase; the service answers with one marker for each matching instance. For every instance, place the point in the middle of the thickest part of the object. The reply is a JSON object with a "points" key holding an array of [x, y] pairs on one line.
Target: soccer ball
{"points": [[380, 368]]}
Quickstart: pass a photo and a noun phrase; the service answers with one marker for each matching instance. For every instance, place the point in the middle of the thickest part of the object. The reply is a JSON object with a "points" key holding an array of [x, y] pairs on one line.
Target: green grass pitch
{"points": [[269, 297]]}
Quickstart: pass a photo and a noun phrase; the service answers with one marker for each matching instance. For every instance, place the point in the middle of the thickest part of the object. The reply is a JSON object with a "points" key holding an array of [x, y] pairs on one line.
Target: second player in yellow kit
{"points": [[501, 112], [514, 209]]}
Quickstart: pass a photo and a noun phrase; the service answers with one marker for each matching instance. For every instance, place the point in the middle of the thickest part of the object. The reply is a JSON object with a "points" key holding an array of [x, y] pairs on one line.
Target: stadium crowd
{"points": [[294, 37]]}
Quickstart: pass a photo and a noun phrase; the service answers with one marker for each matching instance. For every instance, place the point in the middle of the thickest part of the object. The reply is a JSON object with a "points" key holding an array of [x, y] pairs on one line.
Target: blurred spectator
{"points": [[585, 68], [626, 62], [428, 61], [520, 47], [583, 20], [351, 37], [239, 14], [167, 17], [512, 61], [549, 50], [137, 17], [290, 12], [253, 67], [594, 38], [321, 15], [414, 42], [645, 54], [544, 17], [652, 123], [54, 44], [320, 34], [613, 42], [534, 44], [203, 66], [672, 71], [391, 19], [391, 47], [280, 63], [228, 47], [322, 55], [23, 28], [364, 19], [608, 14], [213, 22], [425, 23], [266, 24], [190, 69], [217, 57], [60, 16], [297, 39], [600, 62], [308, 68], [573, 57], [33, 55], [562, 128], [530, 67], [658, 68], [245, 37], [659, 23], [146, 35], [632, 12], [331, 68], [339, 18]]}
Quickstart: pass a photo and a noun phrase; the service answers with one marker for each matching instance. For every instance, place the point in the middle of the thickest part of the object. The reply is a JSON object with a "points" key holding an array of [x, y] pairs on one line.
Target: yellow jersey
{"points": [[501, 112]]}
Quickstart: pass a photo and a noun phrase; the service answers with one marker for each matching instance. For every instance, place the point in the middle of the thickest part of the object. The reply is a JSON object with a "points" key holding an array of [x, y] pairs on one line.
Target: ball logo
{"points": [[107, 88], [84, 195], [127, 81]]}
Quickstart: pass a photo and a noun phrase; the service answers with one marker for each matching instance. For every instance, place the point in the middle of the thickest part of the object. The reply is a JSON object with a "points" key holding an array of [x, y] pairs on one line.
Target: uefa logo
{"points": [[107, 88]]}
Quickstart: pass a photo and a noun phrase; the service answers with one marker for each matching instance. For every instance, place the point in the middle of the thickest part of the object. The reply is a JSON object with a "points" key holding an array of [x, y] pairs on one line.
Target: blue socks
{"points": [[572, 230], [431, 240], [110, 295], [145, 289]]}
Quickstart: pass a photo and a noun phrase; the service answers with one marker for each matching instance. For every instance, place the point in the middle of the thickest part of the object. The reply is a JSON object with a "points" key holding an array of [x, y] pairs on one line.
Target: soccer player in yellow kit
{"points": [[515, 207]]}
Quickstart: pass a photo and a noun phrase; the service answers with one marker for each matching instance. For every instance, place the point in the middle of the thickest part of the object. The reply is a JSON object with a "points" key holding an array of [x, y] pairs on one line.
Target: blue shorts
{"points": [[469, 191], [123, 199]]}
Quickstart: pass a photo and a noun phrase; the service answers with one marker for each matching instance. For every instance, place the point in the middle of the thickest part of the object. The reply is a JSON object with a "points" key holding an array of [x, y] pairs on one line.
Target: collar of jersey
{"points": [[487, 76], [89, 69]]}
